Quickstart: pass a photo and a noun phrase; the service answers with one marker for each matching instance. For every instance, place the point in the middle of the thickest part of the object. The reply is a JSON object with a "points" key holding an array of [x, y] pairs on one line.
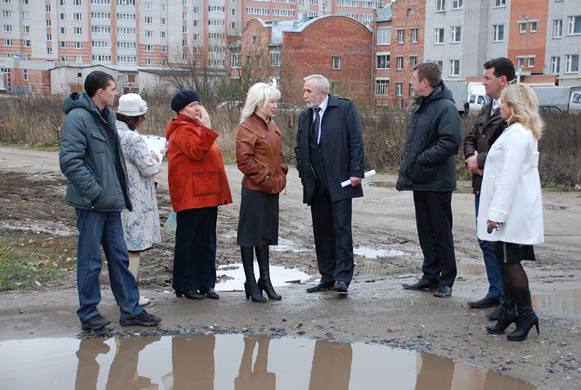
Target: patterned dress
{"points": [[140, 226]]}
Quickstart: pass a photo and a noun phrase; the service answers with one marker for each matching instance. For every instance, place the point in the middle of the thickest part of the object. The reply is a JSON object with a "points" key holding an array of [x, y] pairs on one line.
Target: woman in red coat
{"points": [[197, 185]]}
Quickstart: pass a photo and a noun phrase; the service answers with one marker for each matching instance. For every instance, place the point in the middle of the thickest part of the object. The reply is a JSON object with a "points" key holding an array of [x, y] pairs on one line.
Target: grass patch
{"points": [[25, 264]]}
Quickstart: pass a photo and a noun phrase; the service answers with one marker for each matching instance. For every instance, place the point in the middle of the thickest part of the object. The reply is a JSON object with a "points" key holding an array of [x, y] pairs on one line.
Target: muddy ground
{"points": [[34, 218]]}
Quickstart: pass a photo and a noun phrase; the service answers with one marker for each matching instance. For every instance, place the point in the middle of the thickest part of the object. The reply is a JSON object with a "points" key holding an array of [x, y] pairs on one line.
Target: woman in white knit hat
{"points": [[141, 225]]}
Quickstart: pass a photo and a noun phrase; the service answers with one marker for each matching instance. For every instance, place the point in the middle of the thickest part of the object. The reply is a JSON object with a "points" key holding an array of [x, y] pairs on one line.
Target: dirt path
{"points": [[377, 309]]}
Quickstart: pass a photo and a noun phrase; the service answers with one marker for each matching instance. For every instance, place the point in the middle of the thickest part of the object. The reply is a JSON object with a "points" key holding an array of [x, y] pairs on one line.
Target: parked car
{"points": [[230, 105]]}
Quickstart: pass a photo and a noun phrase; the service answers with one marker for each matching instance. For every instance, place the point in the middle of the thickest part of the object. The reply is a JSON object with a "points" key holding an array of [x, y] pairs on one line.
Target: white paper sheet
{"points": [[155, 144]]}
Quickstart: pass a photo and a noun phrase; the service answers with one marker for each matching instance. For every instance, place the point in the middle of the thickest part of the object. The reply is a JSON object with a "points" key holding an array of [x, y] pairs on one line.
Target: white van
{"points": [[575, 102]]}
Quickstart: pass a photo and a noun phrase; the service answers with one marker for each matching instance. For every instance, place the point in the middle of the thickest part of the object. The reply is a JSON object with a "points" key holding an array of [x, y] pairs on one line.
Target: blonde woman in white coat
{"points": [[141, 225], [511, 211]]}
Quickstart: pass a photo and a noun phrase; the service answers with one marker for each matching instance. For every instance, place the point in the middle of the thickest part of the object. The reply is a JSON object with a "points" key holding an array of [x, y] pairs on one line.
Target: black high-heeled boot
{"points": [[507, 313], [264, 281], [250, 287], [526, 318], [507, 317]]}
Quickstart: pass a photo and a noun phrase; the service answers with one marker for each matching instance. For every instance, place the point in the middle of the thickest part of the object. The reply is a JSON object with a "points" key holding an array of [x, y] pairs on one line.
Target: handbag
{"points": [[171, 225]]}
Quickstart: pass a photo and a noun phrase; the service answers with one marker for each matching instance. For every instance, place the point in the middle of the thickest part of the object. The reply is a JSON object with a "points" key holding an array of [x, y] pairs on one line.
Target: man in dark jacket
{"points": [[428, 168], [329, 150], [91, 159], [498, 73]]}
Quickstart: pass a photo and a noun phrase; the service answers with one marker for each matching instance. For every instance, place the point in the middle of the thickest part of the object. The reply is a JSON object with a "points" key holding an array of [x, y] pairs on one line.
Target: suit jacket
{"points": [[487, 128], [342, 149]]}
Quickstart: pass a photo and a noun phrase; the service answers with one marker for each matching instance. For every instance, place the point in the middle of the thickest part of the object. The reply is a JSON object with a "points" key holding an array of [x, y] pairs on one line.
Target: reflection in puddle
{"points": [[375, 253], [232, 362], [231, 277], [563, 302]]}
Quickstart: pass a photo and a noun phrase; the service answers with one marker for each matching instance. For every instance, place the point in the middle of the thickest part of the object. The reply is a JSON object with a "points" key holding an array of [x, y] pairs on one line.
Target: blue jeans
{"points": [[493, 271], [96, 229]]}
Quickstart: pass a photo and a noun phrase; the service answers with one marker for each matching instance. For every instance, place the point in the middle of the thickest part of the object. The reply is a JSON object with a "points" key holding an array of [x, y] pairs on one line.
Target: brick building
{"points": [[398, 47], [291, 50], [527, 35]]}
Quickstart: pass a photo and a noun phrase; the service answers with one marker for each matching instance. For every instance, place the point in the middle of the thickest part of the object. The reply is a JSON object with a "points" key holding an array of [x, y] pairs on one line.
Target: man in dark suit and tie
{"points": [[329, 150]]}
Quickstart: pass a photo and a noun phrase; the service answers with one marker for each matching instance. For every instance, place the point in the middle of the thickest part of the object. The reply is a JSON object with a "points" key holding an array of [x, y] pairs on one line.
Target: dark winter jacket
{"points": [[487, 128], [91, 157], [428, 162]]}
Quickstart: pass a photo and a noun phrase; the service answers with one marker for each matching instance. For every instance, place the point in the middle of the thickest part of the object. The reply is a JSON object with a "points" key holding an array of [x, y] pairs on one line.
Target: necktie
{"points": [[317, 125]]}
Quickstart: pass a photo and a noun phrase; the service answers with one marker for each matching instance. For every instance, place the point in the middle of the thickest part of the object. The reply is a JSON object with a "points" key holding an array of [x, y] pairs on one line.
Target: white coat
{"points": [[511, 189], [140, 226]]}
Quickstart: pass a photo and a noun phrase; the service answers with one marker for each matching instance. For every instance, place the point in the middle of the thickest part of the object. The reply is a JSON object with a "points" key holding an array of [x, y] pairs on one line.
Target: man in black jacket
{"points": [[498, 73], [428, 168], [329, 150]]}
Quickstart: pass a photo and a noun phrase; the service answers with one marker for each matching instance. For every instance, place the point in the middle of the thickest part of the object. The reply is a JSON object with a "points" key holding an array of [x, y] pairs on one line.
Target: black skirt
{"points": [[258, 222], [510, 253]]}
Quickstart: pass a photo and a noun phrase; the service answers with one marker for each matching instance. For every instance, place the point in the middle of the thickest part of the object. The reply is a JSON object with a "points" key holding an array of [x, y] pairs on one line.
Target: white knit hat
{"points": [[131, 104]]}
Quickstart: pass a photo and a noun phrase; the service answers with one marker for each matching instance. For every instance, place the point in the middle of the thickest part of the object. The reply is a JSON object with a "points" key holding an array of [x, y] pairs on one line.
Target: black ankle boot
{"points": [[525, 315], [507, 317], [264, 281], [250, 287]]}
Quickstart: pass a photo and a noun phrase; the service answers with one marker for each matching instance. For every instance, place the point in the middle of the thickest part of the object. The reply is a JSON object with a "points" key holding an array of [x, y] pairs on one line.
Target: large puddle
{"points": [[231, 277], [208, 362]]}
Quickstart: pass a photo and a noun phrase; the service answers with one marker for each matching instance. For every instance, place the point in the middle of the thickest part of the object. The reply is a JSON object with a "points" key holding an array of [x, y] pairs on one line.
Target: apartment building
{"points": [[528, 35], [462, 34], [563, 37], [361, 10]]}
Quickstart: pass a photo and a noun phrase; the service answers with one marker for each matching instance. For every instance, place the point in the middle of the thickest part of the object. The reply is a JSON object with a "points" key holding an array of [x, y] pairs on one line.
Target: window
{"points": [[456, 4], [6, 13], [49, 37], [162, 34], [47, 8], [456, 34], [26, 29], [25, 74], [440, 6], [500, 3], [148, 47], [184, 29], [574, 25], [381, 87], [78, 16], [522, 27], [49, 51], [63, 30], [454, 67], [572, 63], [557, 28], [409, 12], [520, 62], [78, 45], [399, 63], [383, 36], [79, 59], [555, 65], [439, 36], [498, 33], [148, 19], [414, 32], [78, 30], [76, 2], [534, 26], [413, 61], [275, 58], [336, 62], [383, 60], [148, 34], [400, 35], [148, 6], [62, 16], [531, 62], [411, 91], [62, 44], [8, 42], [148, 61], [399, 89], [440, 65], [235, 60], [26, 43], [48, 23]]}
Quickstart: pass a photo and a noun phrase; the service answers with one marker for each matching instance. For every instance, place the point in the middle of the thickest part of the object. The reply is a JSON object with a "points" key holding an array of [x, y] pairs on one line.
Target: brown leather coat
{"points": [[487, 128], [258, 155]]}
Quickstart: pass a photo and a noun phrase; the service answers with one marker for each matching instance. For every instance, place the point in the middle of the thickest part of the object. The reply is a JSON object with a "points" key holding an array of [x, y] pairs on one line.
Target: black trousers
{"points": [[194, 266], [333, 237], [434, 223]]}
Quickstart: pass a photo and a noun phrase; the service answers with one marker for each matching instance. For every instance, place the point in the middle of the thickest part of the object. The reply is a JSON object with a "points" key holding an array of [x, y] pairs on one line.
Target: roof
{"points": [[281, 26], [384, 14]]}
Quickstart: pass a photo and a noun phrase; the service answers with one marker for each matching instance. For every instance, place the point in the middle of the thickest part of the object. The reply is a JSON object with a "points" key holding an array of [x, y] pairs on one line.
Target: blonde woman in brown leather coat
{"points": [[258, 155]]}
